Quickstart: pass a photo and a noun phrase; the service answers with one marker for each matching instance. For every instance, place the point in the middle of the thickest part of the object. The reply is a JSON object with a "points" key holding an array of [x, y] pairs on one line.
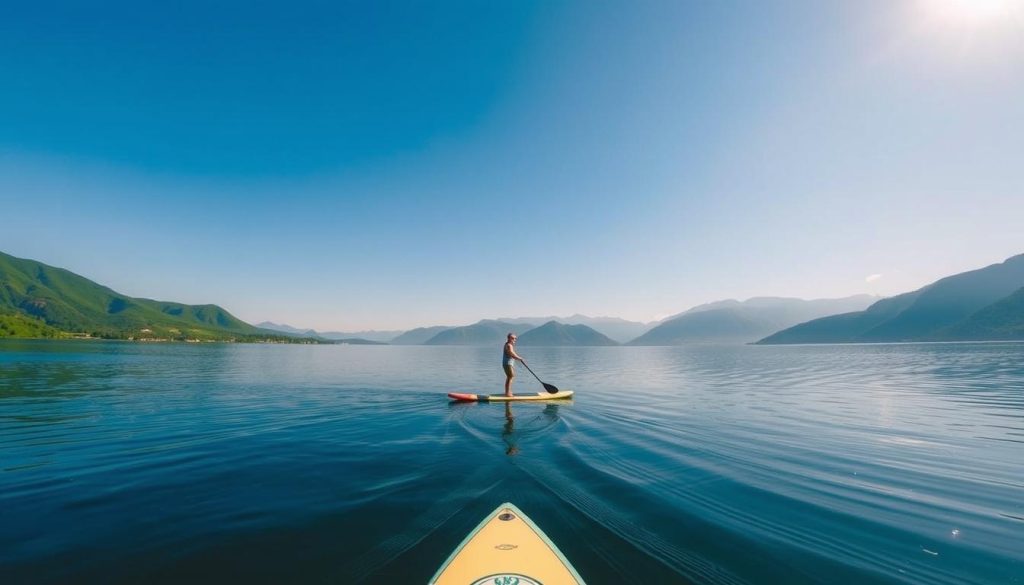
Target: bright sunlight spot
{"points": [[972, 31], [975, 13]]}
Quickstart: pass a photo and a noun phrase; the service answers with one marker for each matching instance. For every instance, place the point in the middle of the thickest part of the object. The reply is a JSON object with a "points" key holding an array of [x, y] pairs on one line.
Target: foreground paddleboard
{"points": [[507, 548], [515, 397]]}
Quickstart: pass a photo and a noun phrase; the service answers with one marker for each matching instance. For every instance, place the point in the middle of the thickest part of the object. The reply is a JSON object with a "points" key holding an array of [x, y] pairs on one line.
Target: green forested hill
{"points": [[998, 321], [37, 300], [14, 325]]}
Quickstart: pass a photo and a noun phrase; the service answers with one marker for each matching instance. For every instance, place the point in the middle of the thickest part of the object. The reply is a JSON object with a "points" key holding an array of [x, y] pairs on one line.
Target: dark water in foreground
{"points": [[168, 463]]}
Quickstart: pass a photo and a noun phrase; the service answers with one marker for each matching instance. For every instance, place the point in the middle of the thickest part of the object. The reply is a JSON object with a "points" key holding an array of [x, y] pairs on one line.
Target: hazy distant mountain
{"points": [[620, 330], [286, 329], [419, 336], [485, 332], [356, 341], [975, 305], [733, 321], [717, 325], [845, 327], [531, 321], [371, 335], [347, 336], [724, 304], [797, 307], [554, 333], [41, 298]]}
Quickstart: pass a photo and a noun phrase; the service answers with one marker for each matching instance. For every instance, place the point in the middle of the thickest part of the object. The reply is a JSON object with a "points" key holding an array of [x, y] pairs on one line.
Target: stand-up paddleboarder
{"points": [[508, 358]]}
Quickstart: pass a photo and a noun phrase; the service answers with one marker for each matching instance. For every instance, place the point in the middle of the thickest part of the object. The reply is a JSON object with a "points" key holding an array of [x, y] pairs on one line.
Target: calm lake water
{"points": [[167, 463]]}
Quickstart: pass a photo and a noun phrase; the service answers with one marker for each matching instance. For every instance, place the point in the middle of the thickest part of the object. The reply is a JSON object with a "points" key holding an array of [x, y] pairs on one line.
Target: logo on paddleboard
{"points": [[507, 579], [506, 547]]}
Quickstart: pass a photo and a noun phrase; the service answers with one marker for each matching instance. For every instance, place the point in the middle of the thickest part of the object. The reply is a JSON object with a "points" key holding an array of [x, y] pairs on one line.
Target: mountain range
{"points": [[485, 332], [37, 300], [353, 337], [419, 336], [733, 321], [554, 333], [982, 304], [620, 330]]}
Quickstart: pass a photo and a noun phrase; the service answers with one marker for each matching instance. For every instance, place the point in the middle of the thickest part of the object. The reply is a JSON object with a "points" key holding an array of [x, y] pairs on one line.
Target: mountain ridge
{"points": [[732, 321], [616, 328], [960, 307], [38, 300], [483, 332], [377, 337], [554, 333]]}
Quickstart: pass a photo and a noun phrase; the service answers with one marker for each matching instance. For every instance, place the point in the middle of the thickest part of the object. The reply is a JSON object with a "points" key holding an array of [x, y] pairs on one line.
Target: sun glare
{"points": [[972, 31], [975, 12]]}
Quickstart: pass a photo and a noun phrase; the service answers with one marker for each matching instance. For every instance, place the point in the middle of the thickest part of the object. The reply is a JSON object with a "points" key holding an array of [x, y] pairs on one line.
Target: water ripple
{"points": [[124, 463]]}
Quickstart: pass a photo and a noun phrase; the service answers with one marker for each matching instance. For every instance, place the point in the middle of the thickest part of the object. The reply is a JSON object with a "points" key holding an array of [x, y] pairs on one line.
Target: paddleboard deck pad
{"points": [[561, 395], [507, 547]]}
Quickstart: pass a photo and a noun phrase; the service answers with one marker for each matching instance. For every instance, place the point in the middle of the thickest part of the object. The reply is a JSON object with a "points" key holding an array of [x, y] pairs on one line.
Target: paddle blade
{"points": [[550, 388]]}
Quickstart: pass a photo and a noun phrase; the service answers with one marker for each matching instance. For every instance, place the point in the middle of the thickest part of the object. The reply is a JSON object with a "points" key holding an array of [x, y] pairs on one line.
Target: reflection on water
{"points": [[508, 433], [125, 463], [529, 427], [519, 423]]}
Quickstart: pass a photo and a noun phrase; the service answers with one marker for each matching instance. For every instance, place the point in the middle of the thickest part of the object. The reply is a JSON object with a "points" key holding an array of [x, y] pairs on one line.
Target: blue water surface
{"points": [[169, 463]]}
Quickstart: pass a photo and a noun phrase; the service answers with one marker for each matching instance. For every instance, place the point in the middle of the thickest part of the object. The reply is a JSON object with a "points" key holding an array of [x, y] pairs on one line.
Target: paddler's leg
{"points": [[509, 374]]}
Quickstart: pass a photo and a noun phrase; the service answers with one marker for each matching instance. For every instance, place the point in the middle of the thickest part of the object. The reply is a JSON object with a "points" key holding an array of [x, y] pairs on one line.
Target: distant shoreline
{"points": [[379, 344]]}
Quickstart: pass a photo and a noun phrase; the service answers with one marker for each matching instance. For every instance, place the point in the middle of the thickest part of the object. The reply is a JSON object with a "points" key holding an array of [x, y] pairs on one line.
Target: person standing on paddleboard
{"points": [[508, 358]]}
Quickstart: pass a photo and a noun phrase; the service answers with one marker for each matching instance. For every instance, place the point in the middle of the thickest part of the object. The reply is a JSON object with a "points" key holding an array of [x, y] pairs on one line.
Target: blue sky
{"points": [[344, 165]]}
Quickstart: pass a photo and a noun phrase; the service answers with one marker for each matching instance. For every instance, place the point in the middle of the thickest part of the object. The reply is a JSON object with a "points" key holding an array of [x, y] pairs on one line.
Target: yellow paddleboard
{"points": [[516, 397], [506, 548]]}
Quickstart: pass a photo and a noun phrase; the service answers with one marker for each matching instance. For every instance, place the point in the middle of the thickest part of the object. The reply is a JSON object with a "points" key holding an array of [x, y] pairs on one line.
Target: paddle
{"points": [[549, 387]]}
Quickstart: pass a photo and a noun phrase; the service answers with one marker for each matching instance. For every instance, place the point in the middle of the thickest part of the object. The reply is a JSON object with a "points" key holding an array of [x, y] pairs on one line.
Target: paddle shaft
{"points": [[549, 387]]}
